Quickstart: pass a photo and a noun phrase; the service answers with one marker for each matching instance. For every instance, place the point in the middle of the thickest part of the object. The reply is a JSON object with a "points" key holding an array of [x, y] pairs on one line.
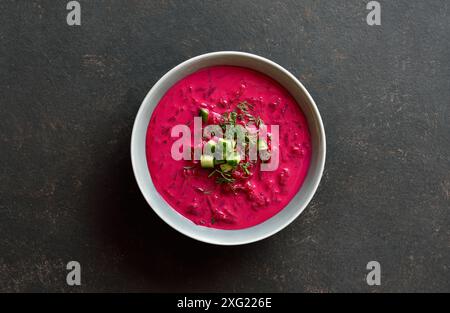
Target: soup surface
{"points": [[232, 193]]}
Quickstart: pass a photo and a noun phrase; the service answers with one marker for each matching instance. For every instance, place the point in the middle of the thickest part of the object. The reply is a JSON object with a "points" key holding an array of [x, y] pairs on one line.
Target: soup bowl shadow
{"points": [[148, 254], [162, 258]]}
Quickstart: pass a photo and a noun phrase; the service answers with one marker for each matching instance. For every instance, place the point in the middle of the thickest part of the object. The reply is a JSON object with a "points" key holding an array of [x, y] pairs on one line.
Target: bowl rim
{"points": [[321, 156]]}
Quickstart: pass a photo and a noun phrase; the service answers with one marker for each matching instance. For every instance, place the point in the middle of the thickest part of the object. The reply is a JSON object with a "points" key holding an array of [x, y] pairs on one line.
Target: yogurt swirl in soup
{"points": [[219, 184]]}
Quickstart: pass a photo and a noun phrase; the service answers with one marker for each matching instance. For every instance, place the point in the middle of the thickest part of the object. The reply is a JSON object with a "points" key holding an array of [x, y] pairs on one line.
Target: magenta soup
{"points": [[232, 193]]}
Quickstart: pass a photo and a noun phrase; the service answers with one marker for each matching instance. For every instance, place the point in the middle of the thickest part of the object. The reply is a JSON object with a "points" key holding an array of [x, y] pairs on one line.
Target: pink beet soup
{"points": [[234, 193]]}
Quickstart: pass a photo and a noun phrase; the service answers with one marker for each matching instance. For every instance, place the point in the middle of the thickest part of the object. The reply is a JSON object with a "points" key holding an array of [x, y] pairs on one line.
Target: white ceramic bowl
{"points": [[218, 236]]}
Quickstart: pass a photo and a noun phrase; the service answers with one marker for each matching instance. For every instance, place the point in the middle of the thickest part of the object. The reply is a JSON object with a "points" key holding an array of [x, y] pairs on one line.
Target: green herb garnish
{"points": [[225, 169], [233, 117], [245, 166], [212, 173], [224, 180]]}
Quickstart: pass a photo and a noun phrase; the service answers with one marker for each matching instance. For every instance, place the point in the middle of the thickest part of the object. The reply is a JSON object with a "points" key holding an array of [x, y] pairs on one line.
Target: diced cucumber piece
{"points": [[204, 113], [233, 158], [226, 167], [262, 145], [207, 161], [210, 146]]}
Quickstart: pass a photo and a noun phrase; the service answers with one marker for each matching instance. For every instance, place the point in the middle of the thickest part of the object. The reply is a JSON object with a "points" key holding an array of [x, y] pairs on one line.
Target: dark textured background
{"points": [[69, 96]]}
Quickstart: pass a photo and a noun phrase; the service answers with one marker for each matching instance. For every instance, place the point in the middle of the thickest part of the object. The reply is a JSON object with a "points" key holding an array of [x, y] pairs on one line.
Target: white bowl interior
{"points": [[218, 236]]}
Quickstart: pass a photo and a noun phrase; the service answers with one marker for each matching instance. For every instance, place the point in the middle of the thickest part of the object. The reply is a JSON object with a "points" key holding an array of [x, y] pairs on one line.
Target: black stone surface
{"points": [[69, 96]]}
